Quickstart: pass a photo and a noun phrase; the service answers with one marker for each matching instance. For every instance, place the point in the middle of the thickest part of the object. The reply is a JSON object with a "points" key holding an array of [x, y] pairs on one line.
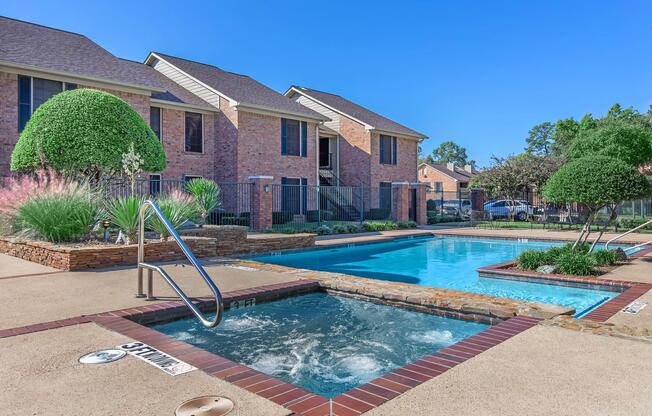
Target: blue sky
{"points": [[480, 73]]}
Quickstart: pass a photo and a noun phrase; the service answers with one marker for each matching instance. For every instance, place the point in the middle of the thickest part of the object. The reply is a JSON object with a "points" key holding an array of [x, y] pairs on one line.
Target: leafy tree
{"points": [[86, 132], [596, 182], [540, 139], [563, 134], [450, 151], [629, 142]]}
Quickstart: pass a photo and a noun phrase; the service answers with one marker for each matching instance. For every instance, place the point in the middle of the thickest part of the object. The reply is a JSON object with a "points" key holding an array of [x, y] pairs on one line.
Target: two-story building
{"points": [[212, 123]]}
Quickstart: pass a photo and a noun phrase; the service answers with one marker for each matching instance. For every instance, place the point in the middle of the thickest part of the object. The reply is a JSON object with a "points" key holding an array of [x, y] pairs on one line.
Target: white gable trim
{"points": [[298, 91], [153, 56]]}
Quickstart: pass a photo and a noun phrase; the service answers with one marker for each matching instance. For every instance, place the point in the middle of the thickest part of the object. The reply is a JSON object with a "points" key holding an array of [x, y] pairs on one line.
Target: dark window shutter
{"points": [[304, 139], [284, 137], [382, 148], [24, 101], [394, 150]]}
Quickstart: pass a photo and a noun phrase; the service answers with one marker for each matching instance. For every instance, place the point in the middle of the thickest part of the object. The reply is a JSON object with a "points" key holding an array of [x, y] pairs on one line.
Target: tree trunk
{"points": [[612, 218], [586, 230]]}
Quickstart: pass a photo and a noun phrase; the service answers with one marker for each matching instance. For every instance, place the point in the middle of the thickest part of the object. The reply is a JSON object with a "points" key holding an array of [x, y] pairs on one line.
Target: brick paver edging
{"points": [[302, 402]]}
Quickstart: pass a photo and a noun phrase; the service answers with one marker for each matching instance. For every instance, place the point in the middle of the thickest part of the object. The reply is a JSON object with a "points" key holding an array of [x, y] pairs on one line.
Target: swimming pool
{"points": [[445, 262], [323, 343]]}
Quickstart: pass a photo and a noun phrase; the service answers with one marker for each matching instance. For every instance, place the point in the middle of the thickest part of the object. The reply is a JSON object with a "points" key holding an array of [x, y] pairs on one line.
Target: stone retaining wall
{"points": [[209, 241], [102, 256]]}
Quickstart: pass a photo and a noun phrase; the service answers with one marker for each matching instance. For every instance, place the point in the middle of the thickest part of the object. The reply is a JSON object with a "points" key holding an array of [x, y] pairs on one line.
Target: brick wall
{"points": [[259, 150], [180, 162], [355, 153], [405, 169], [432, 175], [8, 119], [226, 154]]}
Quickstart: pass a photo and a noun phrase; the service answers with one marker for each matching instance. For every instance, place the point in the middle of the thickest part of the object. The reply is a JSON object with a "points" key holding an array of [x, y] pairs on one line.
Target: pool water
{"points": [[323, 343], [445, 262]]}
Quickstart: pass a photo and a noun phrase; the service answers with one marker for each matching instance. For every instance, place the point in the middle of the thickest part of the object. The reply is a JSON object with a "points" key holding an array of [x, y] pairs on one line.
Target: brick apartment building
{"points": [[212, 123]]}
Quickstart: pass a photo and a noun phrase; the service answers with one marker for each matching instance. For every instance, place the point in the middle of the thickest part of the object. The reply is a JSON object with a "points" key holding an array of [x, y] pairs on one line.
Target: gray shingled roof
{"points": [[173, 91], [241, 88], [458, 174], [25, 43], [358, 112]]}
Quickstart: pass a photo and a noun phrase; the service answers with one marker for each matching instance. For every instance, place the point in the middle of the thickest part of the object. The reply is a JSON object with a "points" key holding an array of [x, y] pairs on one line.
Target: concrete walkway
{"points": [[13, 266], [543, 371], [44, 298], [41, 375]]}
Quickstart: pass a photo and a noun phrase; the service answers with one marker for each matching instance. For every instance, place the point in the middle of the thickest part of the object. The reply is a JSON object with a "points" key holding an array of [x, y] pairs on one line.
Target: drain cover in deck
{"points": [[205, 406], [102, 357]]}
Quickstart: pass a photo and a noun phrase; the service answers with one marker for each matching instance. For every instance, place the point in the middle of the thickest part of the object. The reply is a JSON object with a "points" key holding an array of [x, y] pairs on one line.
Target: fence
{"points": [[305, 206], [235, 198], [457, 205]]}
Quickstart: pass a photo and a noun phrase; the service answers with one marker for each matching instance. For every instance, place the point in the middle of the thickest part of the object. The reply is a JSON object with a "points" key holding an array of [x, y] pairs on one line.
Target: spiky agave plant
{"points": [[177, 209], [206, 196], [123, 212]]}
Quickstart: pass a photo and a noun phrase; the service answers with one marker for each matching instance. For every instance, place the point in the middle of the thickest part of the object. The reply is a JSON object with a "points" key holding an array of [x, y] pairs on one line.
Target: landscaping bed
{"points": [[96, 255]]}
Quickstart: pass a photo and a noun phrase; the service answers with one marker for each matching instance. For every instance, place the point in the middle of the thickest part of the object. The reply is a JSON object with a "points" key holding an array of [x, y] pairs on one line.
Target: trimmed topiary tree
{"points": [[596, 182], [628, 142], [86, 131]]}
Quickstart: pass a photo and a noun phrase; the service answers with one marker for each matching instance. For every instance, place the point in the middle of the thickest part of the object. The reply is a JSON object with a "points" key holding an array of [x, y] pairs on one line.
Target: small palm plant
{"points": [[123, 212], [177, 208], [206, 196]]}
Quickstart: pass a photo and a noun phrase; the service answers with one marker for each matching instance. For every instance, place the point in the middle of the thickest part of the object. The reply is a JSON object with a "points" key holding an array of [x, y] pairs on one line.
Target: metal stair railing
{"points": [[147, 205], [619, 236]]}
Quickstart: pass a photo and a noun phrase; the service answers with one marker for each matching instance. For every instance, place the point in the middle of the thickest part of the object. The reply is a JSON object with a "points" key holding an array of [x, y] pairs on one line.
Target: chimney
{"points": [[450, 166], [468, 168]]}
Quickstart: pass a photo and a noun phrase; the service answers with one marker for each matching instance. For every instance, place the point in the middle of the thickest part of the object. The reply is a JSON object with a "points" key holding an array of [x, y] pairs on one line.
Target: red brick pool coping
{"points": [[356, 401]]}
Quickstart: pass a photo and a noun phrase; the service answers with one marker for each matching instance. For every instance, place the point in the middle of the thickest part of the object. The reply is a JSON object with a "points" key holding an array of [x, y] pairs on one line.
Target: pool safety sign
{"points": [[157, 358]]}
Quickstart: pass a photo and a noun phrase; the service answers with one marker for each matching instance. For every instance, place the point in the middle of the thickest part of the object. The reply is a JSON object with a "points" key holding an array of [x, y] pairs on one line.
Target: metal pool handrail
{"points": [[147, 205], [619, 236]]}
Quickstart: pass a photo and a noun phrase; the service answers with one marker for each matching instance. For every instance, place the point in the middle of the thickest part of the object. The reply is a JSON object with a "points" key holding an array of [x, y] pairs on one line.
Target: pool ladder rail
{"points": [[144, 208], [634, 247]]}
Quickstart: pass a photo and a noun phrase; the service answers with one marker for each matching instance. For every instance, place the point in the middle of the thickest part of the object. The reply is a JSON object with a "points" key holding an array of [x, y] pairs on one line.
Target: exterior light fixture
{"points": [[106, 224], [266, 188]]}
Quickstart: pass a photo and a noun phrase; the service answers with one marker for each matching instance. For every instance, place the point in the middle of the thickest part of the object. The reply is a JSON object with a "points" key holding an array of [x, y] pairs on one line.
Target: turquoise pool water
{"points": [[446, 262], [325, 344]]}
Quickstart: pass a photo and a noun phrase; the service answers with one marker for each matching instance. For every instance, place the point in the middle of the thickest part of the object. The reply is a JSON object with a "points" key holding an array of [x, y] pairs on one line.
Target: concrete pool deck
{"points": [[543, 370]]}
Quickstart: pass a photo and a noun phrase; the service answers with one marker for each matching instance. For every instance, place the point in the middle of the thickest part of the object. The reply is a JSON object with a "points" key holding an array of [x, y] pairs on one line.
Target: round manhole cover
{"points": [[102, 357], [205, 406]]}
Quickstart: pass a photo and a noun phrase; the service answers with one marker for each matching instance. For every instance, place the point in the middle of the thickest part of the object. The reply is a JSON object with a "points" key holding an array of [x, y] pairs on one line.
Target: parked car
{"points": [[503, 208], [452, 207]]}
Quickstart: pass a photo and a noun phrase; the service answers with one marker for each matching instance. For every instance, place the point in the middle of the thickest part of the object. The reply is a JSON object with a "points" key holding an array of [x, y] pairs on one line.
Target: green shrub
{"points": [[533, 259], [629, 223], [178, 211], [574, 262], [85, 131], [282, 217], [354, 228], [340, 229], [324, 230], [402, 225], [58, 217], [379, 225], [605, 257], [206, 197], [124, 214]]}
